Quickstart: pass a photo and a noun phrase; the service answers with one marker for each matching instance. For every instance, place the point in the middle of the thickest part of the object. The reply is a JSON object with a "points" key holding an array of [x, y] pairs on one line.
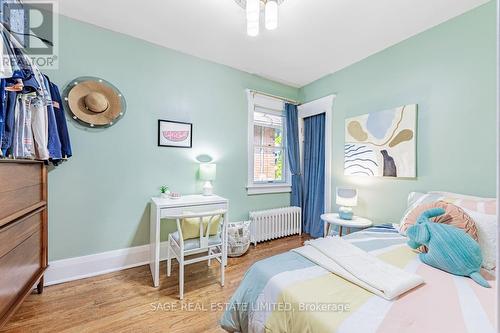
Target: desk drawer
{"points": [[165, 212]]}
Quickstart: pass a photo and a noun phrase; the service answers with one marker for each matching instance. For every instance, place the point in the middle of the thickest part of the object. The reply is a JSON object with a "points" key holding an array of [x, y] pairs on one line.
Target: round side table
{"points": [[334, 219]]}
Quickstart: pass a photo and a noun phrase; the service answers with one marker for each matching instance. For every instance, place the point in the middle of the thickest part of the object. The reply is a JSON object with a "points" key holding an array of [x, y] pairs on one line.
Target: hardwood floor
{"points": [[125, 301]]}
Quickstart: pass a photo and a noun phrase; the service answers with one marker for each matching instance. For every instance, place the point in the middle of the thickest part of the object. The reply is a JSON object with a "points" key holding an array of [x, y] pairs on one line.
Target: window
{"points": [[268, 169]]}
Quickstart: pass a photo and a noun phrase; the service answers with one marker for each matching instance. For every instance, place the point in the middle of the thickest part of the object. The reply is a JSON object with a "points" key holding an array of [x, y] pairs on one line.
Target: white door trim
{"points": [[319, 106]]}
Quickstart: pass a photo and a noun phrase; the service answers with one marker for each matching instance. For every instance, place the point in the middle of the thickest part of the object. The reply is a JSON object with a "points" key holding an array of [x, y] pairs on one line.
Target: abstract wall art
{"points": [[382, 144]]}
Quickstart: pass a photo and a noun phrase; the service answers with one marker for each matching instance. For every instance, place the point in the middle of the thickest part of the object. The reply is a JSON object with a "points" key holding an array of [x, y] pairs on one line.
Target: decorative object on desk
{"points": [[164, 191], [174, 195], [346, 199], [382, 143], [175, 134], [94, 102], [207, 173], [238, 238]]}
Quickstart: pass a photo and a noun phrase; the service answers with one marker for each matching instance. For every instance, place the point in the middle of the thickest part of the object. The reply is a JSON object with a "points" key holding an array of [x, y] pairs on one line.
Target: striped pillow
{"points": [[486, 206]]}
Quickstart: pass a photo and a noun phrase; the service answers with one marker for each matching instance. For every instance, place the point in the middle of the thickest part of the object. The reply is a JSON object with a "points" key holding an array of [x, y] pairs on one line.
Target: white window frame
{"points": [[272, 105]]}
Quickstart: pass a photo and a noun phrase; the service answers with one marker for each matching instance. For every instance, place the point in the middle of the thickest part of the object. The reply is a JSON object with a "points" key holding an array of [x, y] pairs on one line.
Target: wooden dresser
{"points": [[23, 232]]}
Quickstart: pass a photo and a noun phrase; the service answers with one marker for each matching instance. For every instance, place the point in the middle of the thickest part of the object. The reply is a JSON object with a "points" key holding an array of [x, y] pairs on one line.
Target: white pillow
{"points": [[487, 234], [415, 199]]}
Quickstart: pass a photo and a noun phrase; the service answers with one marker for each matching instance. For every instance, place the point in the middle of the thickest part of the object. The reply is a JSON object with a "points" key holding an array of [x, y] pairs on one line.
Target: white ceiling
{"points": [[314, 38]]}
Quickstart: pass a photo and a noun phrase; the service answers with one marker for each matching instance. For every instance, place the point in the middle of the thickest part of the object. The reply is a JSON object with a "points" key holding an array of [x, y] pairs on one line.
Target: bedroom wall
{"points": [[449, 71], [99, 198]]}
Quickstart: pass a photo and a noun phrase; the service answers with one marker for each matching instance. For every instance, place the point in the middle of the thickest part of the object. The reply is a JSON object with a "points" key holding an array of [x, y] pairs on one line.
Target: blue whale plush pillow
{"points": [[449, 248]]}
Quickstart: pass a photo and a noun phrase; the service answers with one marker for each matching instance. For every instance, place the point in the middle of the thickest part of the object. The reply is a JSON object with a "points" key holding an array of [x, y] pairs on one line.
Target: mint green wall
{"points": [[99, 199], [449, 71]]}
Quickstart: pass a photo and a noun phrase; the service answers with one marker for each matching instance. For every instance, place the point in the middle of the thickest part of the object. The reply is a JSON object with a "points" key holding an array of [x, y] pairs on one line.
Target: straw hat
{"points": [[95, 102]]}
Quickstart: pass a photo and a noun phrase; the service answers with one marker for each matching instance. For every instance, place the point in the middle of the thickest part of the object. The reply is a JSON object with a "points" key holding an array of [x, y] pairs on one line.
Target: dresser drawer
{"points": [[17, 232], [166, 212], [18, 267], [22, 189], [23, 231]]}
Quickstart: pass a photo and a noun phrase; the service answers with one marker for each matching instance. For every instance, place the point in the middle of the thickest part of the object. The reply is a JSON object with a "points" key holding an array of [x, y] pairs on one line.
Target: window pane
{"points": [[267, 136], [278, 137], [257, 135], [268, 119], [268, 165]]}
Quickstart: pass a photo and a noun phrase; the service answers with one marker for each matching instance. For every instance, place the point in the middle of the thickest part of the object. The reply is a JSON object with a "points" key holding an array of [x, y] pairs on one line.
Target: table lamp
{"points": [[207, 173], [346, 199]]}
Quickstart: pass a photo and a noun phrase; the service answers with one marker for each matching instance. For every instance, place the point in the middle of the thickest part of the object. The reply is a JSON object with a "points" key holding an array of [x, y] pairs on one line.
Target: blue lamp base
{"points": [[345, 213]]}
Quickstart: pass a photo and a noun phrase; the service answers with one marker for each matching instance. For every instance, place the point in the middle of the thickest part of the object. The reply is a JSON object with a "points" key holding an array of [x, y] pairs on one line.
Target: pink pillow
{"points": [[454, 216]]}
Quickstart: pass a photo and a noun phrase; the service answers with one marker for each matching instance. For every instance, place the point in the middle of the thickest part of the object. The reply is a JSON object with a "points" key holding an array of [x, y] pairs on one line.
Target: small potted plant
{"points": [[164, 191]]}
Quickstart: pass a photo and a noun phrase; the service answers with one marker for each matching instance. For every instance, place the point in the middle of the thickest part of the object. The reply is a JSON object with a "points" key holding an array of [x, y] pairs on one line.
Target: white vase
{"points": [[164, 195]]}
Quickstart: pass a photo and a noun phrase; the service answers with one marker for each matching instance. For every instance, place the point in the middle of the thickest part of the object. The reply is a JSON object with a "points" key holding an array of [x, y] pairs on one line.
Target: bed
{"points": [[289, 293]]}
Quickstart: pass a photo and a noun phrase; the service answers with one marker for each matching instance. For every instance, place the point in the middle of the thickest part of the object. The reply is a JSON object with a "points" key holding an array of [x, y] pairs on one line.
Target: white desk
{"points": [[161, 208]]}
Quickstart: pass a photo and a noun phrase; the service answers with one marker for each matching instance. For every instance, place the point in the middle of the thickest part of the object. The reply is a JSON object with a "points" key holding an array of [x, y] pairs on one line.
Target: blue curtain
{"points": [[314, 175], [292, 139]]}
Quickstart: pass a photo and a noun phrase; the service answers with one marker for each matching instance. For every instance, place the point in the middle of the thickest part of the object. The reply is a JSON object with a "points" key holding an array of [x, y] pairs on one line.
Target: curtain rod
{"points": [[291, 101]]}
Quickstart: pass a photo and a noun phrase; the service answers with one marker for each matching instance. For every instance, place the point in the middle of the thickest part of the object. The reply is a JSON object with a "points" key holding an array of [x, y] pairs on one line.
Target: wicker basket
{"points": [[238, 238]]}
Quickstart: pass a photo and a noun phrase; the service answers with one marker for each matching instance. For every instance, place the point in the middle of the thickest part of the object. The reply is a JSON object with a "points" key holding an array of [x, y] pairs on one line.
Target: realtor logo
{"points": [[34, 26]]}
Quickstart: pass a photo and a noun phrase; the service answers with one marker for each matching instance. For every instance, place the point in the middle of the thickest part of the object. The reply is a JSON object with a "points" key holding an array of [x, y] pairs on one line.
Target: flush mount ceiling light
{"points": [[253, 9]]}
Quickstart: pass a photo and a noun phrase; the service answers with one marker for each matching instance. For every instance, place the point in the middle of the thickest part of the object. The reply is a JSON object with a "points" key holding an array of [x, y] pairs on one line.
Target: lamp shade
{"points": [[347, 197], [208, 171]]}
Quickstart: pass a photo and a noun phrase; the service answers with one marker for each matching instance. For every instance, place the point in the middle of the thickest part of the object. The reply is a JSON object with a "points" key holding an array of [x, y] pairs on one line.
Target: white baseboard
{"points": [[71, 269]]}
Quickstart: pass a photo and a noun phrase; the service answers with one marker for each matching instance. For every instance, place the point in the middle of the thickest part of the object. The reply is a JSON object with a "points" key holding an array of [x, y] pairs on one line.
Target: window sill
{"points": [[267, 189]]}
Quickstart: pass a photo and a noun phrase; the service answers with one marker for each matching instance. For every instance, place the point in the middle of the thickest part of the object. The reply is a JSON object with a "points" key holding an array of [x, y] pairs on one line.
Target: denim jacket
{"points": [[62, 127], [9, 122], [54, 144]]}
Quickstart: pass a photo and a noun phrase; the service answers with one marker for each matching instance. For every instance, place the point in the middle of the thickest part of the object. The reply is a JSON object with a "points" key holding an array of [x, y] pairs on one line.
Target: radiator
{"points": [[275, 223]]}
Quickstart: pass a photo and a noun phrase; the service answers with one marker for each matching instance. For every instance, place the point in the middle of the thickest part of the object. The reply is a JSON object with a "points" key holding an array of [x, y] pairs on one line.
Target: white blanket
{"points": [[359, 267]]}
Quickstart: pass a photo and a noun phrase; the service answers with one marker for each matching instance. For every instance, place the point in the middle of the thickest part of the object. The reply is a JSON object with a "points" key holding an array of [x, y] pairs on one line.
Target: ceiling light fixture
{"points": [[253, 9], [253, 17], [271, 15]]}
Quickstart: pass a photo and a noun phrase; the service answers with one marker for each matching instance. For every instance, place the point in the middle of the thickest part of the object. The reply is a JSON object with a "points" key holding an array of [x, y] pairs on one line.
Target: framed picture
{"points": [[382, 144], [175, 134]]}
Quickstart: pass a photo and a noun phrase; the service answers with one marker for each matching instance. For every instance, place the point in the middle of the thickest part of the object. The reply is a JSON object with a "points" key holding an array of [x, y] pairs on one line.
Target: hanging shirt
{"points": [[39, 125], [22, 147], [62, 127]]}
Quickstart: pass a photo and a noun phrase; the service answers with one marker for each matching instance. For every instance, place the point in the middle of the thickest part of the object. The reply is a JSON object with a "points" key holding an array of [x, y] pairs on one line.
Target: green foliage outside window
{"points": [[278, 140]]}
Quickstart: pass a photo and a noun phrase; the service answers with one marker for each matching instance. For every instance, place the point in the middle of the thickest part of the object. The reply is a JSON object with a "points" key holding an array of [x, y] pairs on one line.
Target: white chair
{"points": [[215, 246]]}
